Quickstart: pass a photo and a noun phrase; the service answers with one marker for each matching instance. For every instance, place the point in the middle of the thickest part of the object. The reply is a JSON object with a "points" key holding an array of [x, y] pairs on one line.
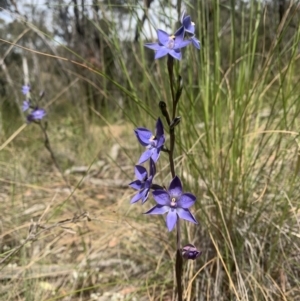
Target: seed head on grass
{"points": [[174, 202], [143, 182], [153, 143], [169, 44]]}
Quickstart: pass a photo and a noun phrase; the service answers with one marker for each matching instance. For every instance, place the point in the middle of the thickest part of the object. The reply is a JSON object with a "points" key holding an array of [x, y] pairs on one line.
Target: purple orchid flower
{"points": [[153, 143], [26, 105], [174, 202], [143, 182], [189, 251], [189, 27], [36, 114], [169, 44], [25, 89]]}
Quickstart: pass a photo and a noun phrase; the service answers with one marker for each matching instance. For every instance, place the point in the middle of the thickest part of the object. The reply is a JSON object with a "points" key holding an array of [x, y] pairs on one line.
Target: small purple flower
{"points": [[25, 89], [143, 182], [190, 252], [36, 114], [189, 27], [26, 105], [174, 202], [169, 44], [153, 143]]}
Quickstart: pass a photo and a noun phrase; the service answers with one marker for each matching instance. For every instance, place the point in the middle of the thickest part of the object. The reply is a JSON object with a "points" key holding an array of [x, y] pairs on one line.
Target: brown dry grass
{"points": [[73, 257]]}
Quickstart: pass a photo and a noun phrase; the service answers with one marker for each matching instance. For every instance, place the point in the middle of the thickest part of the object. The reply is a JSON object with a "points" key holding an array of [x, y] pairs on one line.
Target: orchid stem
{"points": [[54, 160], [178, 266]]}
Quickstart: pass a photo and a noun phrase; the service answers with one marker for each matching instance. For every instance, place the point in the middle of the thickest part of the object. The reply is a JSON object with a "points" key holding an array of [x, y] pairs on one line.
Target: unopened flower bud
{"points": [[175, 122], [190, 252]]}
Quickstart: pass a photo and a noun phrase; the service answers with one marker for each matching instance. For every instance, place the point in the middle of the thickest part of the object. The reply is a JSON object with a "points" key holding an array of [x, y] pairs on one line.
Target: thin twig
{"points": [[50, 150]]}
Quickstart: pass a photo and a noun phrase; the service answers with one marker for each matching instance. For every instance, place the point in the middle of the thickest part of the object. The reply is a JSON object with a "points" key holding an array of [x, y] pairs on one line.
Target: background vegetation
{"points": [[72, 235]]}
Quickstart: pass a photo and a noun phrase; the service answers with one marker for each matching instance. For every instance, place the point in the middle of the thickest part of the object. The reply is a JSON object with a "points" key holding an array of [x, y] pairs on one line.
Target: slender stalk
{"points": [[178, 266], [54, 160], [170, 64]]}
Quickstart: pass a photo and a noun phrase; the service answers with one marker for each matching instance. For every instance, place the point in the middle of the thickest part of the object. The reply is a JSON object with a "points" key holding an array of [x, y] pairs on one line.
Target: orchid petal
{"points": [[175, 188], [136, 197], [155, 154], [141, 172], [136, 185], [145, 156], [143, 135], [163, 37], [154, 46], [158, 210], [159, 128], [145, 194], [161, 197], [175, 53], [186, 200], [186, 215], [171, 219], [196, 43], [161, 52]]}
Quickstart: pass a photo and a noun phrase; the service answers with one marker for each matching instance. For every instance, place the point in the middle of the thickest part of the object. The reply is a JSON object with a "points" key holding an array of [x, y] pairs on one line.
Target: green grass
{"points": [[237, 150]]}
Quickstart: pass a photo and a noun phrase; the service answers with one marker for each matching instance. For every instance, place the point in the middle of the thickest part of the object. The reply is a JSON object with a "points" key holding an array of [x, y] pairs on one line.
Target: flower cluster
{"points": [[172, 201], [34, 112], [172, 44]]}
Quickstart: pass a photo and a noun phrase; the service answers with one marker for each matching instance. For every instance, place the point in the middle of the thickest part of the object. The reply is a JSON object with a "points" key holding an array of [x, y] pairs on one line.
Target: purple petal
{"points": [[154, 46], [25, 89], [196, 43], [182, 44], [179, 34], [141, 173], [155, 154], [175, 53], [136, 197], [186, 215], [36, 114], [186, 200], [145, 194], [145, 156], [161, 52], [148, 182], [175, 188], [186, 21], [143, 135], [161, 197], [171, 219], [188, 25], [160, 141], [25, 105], [158, 210], [159, 131], [163, 37], [136, 185]]}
